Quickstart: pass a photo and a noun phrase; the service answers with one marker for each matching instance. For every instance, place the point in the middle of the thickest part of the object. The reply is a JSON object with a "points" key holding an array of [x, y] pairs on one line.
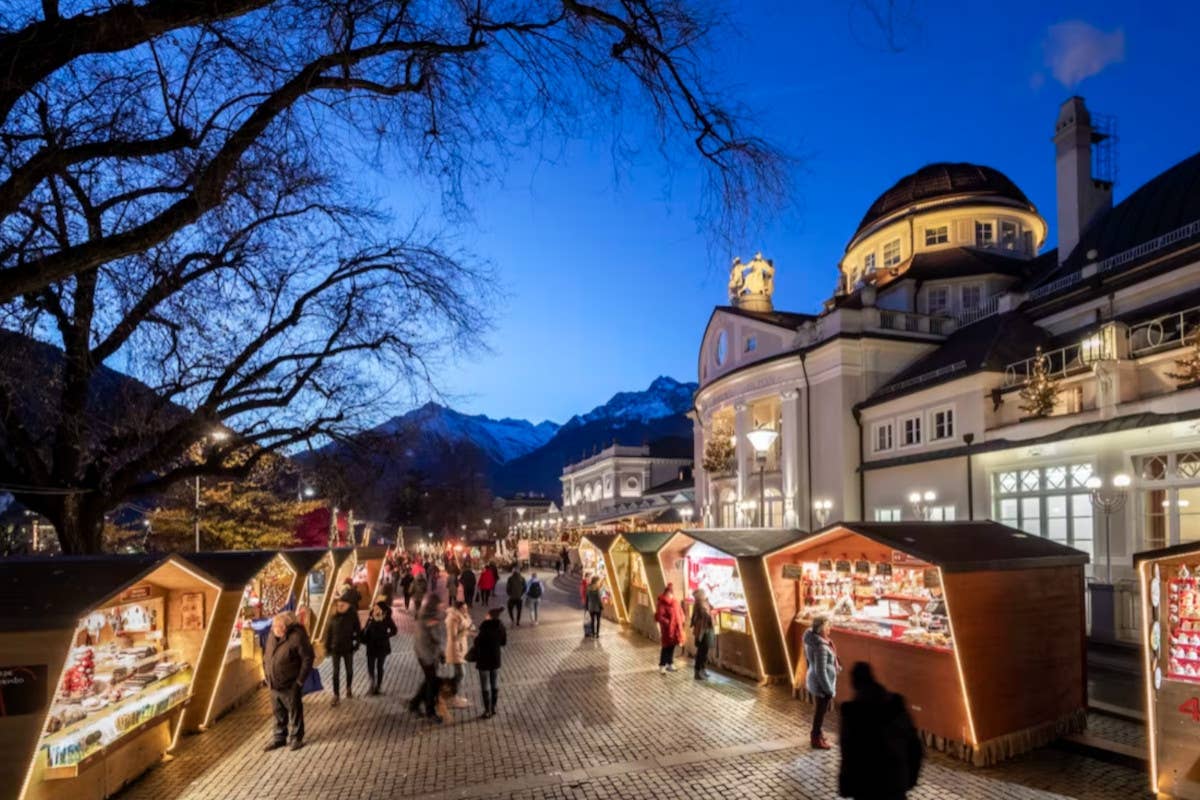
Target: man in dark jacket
{"points": [[342, 635], [376, 635], [287, 660], [491, 638], [515, 588], [467, 579], [881, 751]]}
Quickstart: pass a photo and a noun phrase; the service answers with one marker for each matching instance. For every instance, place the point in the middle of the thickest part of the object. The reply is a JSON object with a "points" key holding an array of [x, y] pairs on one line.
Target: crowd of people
{"points": [[881, 751]]}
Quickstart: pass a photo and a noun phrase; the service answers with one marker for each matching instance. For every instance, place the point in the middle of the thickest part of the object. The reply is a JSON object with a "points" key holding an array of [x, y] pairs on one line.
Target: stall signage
{"points": [[718, 578], [862, 567], [137, 592], [23, 690], [792, 572], [1191, 708], [900, 558]]}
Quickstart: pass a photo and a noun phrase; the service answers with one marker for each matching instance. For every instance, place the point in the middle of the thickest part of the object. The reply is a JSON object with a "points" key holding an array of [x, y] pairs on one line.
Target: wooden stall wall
{"points": [[785, 594], [209, 675], [671, 570], [1024, 669], [642, 600], [19, 732], [763, 625], [615, 610]]}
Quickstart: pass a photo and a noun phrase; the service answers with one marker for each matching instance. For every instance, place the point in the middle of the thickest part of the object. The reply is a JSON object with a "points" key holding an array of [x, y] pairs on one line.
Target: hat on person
{"points": [[383, 606]]}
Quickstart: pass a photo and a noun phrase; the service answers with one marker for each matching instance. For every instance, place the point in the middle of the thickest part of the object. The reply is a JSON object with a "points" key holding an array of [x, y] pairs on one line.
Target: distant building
{"points": [[607, 487], [523, 514]]}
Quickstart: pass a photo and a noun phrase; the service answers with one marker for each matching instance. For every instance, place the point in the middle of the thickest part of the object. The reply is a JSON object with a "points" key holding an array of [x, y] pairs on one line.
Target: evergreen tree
{"points": [[1189, 367], [720, 453], [1040, 392]]}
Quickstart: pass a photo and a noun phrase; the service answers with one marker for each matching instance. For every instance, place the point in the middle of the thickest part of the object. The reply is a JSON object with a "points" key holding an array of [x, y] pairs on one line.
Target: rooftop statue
{"points": [[752, 284]]}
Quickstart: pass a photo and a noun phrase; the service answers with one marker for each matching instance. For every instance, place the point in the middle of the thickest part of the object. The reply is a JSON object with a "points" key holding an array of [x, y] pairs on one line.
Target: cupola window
{"points": [[891, 253], [985, 234], [1008, 235], [938, 235]]}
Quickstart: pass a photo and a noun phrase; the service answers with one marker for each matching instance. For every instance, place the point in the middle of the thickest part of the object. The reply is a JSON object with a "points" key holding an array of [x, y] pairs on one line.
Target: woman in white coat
{"points": [[458, 626]]}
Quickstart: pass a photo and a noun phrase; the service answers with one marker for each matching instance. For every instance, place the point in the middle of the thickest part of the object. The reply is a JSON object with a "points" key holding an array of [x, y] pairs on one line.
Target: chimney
{"points": [[1080, 196]]}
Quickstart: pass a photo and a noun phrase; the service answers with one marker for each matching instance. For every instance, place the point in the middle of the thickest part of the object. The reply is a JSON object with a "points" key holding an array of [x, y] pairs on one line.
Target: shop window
{"points": [[938, 300], [1169, 485], [942, 424], [1157, 507], [1051, 501], [883, 437], [1154, 468], [1188, 505], [869, 263], [937, 235], [985, 234], [911, 432], [887, 515], [1189, 465], [891, 253], [972, 297], [1008, 235]]}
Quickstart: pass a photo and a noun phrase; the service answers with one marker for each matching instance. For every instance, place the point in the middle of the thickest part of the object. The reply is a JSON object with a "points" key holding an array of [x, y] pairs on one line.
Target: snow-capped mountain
{"points": [[501, 440], [665, 397]]}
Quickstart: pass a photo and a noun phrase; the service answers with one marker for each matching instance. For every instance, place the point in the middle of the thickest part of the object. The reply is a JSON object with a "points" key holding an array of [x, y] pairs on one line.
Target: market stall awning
{"points": [[962, 546], [55, 592], [233, 569], [305, 558], [1185, 549], [371, 551], [601, 541], [340, 554], [746, 542], [647, 542]]}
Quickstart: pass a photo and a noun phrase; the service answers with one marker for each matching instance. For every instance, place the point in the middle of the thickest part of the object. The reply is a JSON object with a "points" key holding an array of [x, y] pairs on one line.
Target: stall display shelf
{"points": [[892, 640], [112, 709]]}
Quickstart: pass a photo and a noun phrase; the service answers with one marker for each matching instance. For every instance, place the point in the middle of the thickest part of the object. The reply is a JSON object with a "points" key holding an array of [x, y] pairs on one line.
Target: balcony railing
{"points": [[908, 322], [1059, 363], [984, 310], [1165, 332]]}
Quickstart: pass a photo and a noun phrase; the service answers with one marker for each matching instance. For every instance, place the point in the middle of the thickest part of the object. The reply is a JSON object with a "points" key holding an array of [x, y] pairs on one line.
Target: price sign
{"points": [[792, 572], [1191, 708]]}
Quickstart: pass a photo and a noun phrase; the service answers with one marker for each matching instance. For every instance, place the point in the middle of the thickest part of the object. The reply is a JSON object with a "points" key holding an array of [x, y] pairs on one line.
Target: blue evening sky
{"points": [[609, 282]]}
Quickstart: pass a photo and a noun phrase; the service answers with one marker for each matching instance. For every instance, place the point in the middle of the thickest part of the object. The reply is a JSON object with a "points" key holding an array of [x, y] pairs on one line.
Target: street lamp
{"points": [[822, 508], [761, 440], [921, 502], [1109, 502]]}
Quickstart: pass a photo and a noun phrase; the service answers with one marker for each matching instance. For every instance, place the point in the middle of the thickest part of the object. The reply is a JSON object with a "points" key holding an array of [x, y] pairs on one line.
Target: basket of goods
{"points": [[79, 679]]}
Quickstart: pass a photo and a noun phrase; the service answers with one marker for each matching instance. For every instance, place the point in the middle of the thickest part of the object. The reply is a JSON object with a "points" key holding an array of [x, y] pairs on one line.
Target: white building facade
{"points": [[597, 487], [907, 386]]}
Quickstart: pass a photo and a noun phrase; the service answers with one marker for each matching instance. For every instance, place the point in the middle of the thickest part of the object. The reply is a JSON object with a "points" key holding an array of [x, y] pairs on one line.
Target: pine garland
{"points": [[1189, 367], [720, 455], [1040, 392]]}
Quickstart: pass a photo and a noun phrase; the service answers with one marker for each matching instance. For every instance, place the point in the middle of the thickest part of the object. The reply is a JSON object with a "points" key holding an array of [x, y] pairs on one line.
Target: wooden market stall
{"points": [[315, 570], [366, 573], [1170, 595], [100, 655], [728, 565], [255, 586], [595, 554], [1004, 675], [343, 570], [642, 580]]}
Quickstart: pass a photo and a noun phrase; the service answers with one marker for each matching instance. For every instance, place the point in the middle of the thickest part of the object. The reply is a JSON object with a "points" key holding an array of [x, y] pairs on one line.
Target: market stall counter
{"points": [[99, 657], [595, 555], [1170, 588], [1003, 675], [255, 586], [728, 565], [640, 580]]}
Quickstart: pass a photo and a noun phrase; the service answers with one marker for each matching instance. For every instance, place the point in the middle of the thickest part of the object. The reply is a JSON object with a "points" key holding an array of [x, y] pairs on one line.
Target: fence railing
{"points": [[984, 310], [1165, 332], [1059, 363]]}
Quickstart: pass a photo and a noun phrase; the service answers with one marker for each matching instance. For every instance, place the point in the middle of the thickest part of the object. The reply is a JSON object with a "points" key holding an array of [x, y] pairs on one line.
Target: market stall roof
{"points": [[963, 546], [1185, 549], [602, 541], [746, 542], [340, 554], [372, 551], [305, 558], [647, 542], [47, 593], [233, 569]]}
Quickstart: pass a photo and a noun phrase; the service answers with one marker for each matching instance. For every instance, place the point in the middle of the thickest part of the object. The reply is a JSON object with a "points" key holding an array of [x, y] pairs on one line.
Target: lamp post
{"points": [[761, 440], [921, 502], [1109, 502], [822, 508]]}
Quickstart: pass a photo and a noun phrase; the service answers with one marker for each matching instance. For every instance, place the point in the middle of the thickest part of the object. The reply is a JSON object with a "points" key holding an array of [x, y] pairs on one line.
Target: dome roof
{"points": [[942, 180]]}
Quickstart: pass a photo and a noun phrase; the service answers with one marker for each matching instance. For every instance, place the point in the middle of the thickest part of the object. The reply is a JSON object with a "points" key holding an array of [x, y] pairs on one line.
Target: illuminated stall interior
{"points": [[255, 586], [727, 565], [955, 616], [314, 570], [334, 574], [112, 647], [367, 572], [595, 556], [1170, 586], [645, 579]]}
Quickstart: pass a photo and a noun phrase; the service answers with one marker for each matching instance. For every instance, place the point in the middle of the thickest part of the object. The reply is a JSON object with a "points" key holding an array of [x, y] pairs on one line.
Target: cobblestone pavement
{"points": [[577, 719]]}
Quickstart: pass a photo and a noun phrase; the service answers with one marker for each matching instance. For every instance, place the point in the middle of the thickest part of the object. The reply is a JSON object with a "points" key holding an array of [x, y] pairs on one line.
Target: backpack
{"points": [[535, 589]]}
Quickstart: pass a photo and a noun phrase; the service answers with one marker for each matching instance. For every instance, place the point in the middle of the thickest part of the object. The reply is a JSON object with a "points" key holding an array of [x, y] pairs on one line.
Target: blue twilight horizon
{"points": [[608, 279]]}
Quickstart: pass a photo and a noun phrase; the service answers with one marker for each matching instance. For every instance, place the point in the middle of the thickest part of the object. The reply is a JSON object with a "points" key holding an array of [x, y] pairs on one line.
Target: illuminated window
{"points": [[938, 235], [883, 436], [887, 515], [942, 423], [910, 431], [941, 514], [972, 297], [869, 263], [891, 253], [985, 234], [1053, 502], [938, 299], [1008, 235], [1169, 494]]}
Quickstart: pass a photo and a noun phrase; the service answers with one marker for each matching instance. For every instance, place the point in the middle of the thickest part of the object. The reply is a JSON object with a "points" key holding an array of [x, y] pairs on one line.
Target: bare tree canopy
{"points": [[177, 202]]}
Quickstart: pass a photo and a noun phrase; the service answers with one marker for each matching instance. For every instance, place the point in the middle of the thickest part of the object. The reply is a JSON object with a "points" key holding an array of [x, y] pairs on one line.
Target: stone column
{"points": [[700, 492], [741, 426], [789, 415]]}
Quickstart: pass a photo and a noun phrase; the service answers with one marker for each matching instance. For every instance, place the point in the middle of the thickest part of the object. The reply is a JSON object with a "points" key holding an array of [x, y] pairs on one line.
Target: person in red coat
{"points": [[669, 617], [487, 584]]}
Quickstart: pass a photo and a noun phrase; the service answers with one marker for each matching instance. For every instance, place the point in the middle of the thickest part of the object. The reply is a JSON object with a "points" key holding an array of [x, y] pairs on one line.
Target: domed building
{"points": [[960, 371]]}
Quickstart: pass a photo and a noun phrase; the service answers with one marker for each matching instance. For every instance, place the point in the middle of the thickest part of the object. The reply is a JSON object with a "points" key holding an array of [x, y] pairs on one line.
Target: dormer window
{"points": [[937, 235], [985, 234], [891, 253]]}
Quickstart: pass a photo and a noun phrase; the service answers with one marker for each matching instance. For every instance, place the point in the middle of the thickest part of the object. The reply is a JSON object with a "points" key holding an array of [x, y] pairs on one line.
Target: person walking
{"points": [[431, 571], [564, 560], [376, 637], [491, 638], [467, 579], [406, 586], [821, 678], [669, 617], [703, 631], [595, 605], [452, 572], [515, 589], [533, 596], [487, 584], [287, 660], [458, 625], [881, 750], [343, 633], [420, 588], [429, 644], [584, 582]]}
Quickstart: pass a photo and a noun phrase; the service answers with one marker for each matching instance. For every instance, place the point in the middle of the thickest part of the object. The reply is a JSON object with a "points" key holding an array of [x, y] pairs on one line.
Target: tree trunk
{"points": [[78, 520]]}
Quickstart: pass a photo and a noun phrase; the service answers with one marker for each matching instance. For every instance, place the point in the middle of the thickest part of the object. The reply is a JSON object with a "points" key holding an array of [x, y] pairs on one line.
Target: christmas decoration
{"points": [[720, 454], [1040, 392], [79, 678], [1189, 367]]}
